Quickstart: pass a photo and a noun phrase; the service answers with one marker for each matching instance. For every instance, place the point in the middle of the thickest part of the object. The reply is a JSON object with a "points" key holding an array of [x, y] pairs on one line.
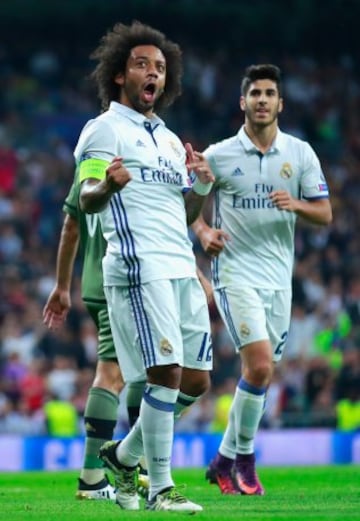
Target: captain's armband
{"points": [[92, 168]]}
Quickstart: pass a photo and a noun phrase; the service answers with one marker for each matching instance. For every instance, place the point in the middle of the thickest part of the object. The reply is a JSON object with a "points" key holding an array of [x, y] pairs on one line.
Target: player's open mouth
{"points": [[149, 92]]}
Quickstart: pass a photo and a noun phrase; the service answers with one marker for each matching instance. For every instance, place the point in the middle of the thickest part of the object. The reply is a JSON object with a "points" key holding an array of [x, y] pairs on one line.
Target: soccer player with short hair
{"points": [[135, 172], [264, 180], [101, 410]]}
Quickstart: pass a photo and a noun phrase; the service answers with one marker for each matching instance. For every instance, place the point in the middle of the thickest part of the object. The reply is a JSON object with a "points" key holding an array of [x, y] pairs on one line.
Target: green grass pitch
{"points": [[292, 493]]}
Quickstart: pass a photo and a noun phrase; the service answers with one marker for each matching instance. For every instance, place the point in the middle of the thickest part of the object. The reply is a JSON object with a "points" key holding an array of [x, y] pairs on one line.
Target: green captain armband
{"points": [[92, 168]]}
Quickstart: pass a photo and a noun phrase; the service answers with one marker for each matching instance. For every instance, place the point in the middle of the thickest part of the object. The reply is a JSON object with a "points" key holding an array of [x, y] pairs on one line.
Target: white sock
{"points": [[228, 443], [130, 450], [157, 423], [92, 476], [245, 414]]}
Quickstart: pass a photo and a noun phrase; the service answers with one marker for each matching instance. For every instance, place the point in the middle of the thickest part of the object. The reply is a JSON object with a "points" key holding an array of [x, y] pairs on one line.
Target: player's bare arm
{"points": [[316, 212], [206, 284], [194, 199], [211, 239], [95, 194], [59, 301]]}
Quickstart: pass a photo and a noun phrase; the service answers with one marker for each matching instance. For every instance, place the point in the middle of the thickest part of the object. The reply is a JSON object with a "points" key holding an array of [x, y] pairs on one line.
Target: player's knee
{"points": [[260, 373], [203, 385], [195, 383], [117, 386], [108, 376], [165, 375]]}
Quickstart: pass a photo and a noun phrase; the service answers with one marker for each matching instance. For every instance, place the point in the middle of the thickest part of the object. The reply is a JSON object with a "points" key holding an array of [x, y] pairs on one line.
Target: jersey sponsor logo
{"points": [[166, 173], [139, 143], [165, 347], [258, 201], [237, 172], [286, 171]]}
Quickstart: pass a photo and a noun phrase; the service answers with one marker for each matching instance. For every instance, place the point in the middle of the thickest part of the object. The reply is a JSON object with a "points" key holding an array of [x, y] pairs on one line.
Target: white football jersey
{"points": [[144, 223], [260, 253]]}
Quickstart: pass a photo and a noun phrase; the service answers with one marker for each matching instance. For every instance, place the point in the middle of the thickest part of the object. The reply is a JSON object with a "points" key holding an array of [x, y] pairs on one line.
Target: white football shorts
{"points": [[252, 314], [158, 323]]}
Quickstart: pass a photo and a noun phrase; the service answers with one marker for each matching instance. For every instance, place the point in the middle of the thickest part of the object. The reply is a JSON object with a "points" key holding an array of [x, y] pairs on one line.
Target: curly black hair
{"points": [[114, 50]]}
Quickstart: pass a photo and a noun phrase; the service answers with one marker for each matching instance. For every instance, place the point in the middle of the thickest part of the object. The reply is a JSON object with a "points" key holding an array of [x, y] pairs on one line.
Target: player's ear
{"points": [[242, 103], [281, 105], [119, 79]]}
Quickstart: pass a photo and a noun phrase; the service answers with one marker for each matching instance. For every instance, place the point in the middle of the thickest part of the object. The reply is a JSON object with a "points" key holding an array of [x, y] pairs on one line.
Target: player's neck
{"points": [[262, 137], [124, 100]]}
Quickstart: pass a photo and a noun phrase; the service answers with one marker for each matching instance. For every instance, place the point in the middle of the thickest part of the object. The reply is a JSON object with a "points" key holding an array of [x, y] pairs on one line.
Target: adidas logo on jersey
{"points": [[139, 143], [237, 172]]}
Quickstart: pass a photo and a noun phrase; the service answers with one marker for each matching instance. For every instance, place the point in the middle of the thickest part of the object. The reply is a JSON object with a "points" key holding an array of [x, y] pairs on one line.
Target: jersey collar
{"points": [[132, 114], [277, 146]]}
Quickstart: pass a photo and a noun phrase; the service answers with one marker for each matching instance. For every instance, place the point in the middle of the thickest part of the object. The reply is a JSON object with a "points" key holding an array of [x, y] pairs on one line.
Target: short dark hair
{"points": [[114, 50], [264, 71]]}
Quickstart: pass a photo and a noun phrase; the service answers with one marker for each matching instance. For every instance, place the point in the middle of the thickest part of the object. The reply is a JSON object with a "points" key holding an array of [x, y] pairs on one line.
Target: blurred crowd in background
{"points": [[45, 100]]}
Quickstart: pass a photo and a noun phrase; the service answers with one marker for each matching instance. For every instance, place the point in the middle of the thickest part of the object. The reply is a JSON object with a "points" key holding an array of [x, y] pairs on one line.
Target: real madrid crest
{"points": [[165, 347], [286, 171], [244, 330], [175, 148]]}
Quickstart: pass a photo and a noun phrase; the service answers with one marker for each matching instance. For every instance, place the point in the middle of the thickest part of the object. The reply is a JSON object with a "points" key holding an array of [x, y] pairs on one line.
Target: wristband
{"points": [[201, 188]]}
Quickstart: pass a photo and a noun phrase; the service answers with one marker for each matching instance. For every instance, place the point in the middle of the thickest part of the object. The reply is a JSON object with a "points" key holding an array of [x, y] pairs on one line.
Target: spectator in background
{"points": [[347, 390], [17, 418], [222, 405], [11, 243], [318, 378], [61, 379], [8, 165], [33, 385], [12, 373], [65, 343], [18, 336], [60, 417], [348, 412], [348, 377]]}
